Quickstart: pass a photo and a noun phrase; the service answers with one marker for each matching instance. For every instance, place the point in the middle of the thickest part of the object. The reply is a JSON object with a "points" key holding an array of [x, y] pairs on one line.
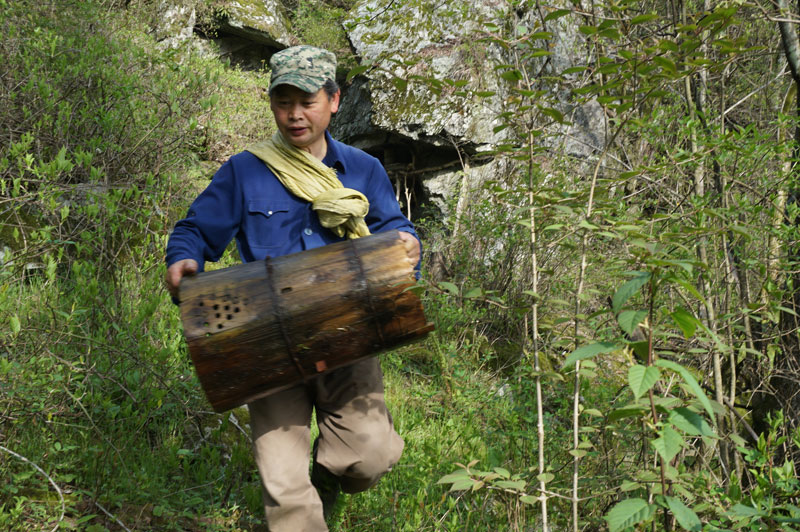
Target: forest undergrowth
{"points": [[615, 342]]}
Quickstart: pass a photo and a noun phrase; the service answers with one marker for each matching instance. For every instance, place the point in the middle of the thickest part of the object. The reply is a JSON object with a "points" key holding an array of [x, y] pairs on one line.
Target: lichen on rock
{"points": [[261, 21], [176, 23], [421, 51], [435, 77]]}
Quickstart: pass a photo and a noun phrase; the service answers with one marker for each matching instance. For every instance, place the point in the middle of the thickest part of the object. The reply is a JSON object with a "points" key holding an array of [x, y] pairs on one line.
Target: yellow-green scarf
{"points": [[340, 209]]}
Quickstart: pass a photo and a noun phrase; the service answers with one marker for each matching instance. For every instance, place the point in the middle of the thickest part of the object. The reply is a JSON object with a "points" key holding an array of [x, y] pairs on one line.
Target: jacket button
{"points": [[308, 231], [269, 213]]}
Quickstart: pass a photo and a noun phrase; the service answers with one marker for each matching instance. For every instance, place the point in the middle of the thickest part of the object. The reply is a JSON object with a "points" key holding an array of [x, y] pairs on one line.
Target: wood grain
{"points": [[256, 328]]}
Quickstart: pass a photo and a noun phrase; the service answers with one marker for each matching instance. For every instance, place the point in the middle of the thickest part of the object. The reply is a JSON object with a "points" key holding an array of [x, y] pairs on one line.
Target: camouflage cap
{"points": [[305, 67]]}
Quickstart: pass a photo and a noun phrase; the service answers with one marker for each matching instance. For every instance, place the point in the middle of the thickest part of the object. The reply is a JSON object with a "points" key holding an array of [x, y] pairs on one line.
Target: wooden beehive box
{"points": [[256, 328]]}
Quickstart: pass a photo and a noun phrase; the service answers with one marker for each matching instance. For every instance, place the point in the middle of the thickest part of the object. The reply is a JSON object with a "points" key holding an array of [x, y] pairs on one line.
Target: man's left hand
{"points": [[412, 246]]}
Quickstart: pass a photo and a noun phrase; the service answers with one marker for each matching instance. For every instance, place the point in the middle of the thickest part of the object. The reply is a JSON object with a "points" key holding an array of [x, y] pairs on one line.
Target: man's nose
{"points": [[294, 112]]}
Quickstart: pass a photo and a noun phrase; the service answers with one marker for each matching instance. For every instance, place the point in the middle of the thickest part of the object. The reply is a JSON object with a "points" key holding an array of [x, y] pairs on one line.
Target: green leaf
{"points": [[738, 441], [641, 19], [630, 319], [511, 75], [690, 288], [588, 351], [628, 513], [685, 515], [668, 444], [528, 499], [573, 70], [665, 64], [628, 227], [514, 485], [558, 13], [545, 477], [630, 485], [624, 293], [685, 265], [474, 292], [461, 474], [626, 411], [16, 326], [552, 375], [555, 114], [668, 45], [449, 287], [355, 71], [463, 484], [85, 519], [691, 382], [740, 510], [610, 33], [503, 472], [540, 35], [642, 378], [685, 321], [690, 422]]}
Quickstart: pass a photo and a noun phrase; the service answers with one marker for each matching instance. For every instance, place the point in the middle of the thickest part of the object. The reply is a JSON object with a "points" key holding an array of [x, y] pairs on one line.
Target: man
{"points": [[299, 190]]}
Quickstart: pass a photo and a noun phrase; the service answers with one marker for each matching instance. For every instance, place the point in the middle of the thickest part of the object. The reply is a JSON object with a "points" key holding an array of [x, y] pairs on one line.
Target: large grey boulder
{"points": [[421, 56], [407, 45], [247, 32], [259, 21], [176, 23]]}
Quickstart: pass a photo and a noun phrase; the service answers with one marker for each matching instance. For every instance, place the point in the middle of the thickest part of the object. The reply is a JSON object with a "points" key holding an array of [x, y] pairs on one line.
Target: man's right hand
{"points": [[176, 272]]}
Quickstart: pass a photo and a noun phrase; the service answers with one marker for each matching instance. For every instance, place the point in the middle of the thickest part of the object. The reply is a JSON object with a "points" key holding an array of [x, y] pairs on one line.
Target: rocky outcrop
{"points": [[175, 23], [433, 99], [258, 21], [246, 32], [411, 47], [418, 120]]}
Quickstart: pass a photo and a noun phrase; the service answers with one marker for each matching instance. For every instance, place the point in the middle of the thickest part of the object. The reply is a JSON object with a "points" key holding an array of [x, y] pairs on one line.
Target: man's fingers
{"points": [[177, 271], [412, 247], [189, 267]]}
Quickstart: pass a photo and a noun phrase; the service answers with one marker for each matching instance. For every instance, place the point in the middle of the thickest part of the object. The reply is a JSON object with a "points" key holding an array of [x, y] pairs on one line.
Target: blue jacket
{"points": [[247, 202]]}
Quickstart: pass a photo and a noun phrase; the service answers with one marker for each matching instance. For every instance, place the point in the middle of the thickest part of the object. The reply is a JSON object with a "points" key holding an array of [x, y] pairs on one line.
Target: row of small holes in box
{"points": [[226, 308]]}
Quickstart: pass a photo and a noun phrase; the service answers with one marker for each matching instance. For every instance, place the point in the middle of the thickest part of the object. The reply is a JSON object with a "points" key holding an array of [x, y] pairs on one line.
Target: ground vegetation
{"points": [[616, 343]]}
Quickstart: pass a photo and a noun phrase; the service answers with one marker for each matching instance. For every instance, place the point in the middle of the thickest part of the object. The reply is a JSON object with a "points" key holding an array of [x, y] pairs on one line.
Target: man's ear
{"points": [[335, 99]]}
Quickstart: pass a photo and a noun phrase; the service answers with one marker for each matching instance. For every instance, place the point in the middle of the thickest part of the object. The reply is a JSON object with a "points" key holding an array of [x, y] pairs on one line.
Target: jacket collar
{"points": [[333, 158]]}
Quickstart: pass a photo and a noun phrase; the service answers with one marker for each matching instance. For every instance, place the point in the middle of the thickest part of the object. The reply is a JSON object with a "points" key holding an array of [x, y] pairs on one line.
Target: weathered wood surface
{"points": [[256, 328]]}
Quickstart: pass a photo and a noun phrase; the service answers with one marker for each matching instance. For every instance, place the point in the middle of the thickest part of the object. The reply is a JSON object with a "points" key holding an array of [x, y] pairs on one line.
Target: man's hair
{"points": [[330, 87]]}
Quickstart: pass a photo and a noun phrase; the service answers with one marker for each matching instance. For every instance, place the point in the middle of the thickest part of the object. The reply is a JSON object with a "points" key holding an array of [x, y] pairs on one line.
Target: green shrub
{"points": [[320, 24], [96, 388]]}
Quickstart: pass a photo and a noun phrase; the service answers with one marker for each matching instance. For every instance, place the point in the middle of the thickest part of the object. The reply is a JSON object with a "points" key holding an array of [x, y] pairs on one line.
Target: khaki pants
{"points": [[357, 442]]}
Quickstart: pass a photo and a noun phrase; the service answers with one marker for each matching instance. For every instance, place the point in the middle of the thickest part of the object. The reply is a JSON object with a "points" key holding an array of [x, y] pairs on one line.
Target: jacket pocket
{"points": [[266, 222]]}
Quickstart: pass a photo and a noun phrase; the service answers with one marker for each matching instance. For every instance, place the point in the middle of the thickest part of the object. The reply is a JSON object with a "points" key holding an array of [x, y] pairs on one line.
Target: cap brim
{"points": [[303, 83]]}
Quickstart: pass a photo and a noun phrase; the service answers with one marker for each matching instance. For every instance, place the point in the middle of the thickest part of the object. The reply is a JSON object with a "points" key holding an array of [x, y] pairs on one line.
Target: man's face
{"points": [[303, 117]]}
